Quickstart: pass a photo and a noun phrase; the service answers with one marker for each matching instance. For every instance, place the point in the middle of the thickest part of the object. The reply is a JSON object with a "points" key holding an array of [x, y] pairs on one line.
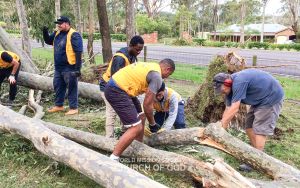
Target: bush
{"points": [[280, 46], [258, 45], [118, 37], [273, 46], [181, 42], [199, 41], [296, 47], [214, 43]]}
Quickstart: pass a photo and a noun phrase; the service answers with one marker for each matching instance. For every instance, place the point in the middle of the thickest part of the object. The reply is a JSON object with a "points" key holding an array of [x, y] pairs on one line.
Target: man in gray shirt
{"points": [[258, 89]]}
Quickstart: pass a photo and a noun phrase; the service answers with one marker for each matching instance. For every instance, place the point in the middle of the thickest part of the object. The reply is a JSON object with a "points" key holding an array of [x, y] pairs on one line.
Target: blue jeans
{"points": [[179, 123], [63, 81]]}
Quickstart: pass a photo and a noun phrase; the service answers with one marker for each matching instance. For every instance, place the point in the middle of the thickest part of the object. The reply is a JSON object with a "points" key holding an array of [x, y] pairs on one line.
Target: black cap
{"points": [[219, 80], [62, 19]]}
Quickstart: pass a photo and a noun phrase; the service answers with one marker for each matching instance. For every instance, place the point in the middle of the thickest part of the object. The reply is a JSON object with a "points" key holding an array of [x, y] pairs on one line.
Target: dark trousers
{"points": [[179, 123], [63, 81], [5, 73]]}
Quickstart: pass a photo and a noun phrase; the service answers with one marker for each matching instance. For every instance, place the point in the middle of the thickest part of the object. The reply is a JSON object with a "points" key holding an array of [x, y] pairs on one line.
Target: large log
{"points": [[96, 166], [215, 136], [219, 174], [35, 81], [27, 64]]}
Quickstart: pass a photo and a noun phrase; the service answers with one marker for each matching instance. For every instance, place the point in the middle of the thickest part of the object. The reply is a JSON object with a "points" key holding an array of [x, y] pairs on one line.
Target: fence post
{"points": [[145, 53], [254, 60]]}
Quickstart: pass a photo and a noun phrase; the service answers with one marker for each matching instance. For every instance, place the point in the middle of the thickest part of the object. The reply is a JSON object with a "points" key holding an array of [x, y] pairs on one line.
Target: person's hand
{"points": [[76, 73], [154, 128], [12, 79], [45, 29]]}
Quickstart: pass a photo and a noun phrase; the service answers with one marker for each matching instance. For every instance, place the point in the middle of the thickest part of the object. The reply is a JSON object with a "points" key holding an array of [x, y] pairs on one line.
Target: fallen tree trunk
{"points": [[218, 175], [35, 81], [215, 136], [98, 167], [7, 44]]}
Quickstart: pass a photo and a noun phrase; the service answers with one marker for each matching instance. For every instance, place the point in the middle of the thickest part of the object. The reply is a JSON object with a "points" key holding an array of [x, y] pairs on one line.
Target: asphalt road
{"points": [[203, 55]]}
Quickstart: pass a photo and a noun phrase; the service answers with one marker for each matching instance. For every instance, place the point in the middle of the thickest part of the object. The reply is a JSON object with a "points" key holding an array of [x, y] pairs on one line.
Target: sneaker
{"points": [[245, 168], [72, 112], [56, 109]]}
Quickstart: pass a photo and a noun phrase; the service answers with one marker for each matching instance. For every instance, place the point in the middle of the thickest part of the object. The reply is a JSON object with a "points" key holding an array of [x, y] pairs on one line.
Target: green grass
{"points": [[192, 73], [291, 87], [46, 55]]}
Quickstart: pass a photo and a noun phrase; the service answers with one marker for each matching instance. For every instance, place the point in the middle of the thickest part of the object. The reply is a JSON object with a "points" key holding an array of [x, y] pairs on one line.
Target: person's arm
{"points": [[77, 45], [117, 64], [173, 110], [229, 113], [148, 106], [9, 59], [154, 81], [48, 38]]}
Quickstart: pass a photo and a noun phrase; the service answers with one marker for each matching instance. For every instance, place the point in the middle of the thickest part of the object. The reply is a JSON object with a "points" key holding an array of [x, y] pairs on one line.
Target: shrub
{"points": [[199, 41], [280, 46], [118, 37], [214, 43], [181, 42], [296, 47], [258, 45]]}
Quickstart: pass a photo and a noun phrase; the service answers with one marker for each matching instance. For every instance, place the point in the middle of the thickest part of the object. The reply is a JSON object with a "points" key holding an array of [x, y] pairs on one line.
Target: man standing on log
{"points": [[123, 57], [169, 111], [68, 48], [9, 68], [122, 90], [258, 89]]}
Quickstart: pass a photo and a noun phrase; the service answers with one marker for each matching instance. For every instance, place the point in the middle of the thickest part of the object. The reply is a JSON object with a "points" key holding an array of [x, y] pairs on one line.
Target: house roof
{"points": [[268, 28]]}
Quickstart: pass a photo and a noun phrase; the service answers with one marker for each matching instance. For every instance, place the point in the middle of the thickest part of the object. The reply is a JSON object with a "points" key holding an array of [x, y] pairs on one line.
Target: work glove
{"points": [[12, 79], [76, 73], [154, 128], [45, 29], [149, 130]]}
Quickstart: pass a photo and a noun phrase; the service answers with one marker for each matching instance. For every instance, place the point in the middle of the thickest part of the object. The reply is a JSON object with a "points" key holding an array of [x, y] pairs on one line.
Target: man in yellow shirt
{"points": [[122, 90], [9, 68]]}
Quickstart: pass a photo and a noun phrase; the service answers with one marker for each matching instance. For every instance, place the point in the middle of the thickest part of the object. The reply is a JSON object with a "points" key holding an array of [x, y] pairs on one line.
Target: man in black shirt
{"points": [[122, 58]]}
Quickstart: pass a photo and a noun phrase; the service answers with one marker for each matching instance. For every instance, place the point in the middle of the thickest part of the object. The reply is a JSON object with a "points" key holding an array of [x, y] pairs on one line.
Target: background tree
{"points": [[243, 14], [264, 4], [292, 7], [91, 31], [104, 30], [153, 7], [57, 8], [77, 14], [24, 27], [130, 24]]}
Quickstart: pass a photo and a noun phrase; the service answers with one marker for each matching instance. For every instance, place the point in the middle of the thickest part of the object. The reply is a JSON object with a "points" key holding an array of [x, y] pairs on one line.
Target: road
{"points": [[203, 55]]}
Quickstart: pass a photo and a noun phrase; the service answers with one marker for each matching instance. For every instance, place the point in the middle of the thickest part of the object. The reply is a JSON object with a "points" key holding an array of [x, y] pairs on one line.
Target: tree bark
{"points": [[27, 64], [220, 174], [264, 2], [130, 24], [91, 32], [35, 81], [215, 136], [104, 30], [57, 8], [78, 16], [243, 14], [97, 167], [24, 27]]}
